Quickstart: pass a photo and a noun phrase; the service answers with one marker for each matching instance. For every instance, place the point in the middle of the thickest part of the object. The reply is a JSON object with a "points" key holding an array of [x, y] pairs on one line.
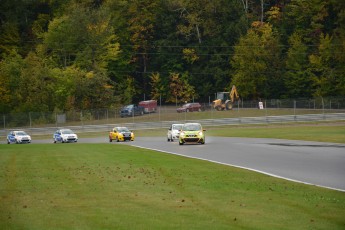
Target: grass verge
{"points": [[105, 186], [322, 132]]}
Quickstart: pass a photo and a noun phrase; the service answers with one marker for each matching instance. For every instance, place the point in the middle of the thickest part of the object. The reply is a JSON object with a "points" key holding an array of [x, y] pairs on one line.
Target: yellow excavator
{"points": [[225, 100]]}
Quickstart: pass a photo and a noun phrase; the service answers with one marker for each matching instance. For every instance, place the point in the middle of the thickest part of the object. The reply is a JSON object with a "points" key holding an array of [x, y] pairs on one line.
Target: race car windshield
{"points": [[193, 127], [177, 127], [67, 131], [21, 133], [123, 130]]}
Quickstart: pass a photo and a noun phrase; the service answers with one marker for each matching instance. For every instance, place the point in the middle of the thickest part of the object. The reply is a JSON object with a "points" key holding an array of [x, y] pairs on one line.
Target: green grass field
{"points": [[105, 186], [109, 186]]}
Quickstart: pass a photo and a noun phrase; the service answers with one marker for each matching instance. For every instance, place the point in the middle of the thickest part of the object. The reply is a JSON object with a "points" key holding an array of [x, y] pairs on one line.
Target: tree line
{"points": [[77, 55]]}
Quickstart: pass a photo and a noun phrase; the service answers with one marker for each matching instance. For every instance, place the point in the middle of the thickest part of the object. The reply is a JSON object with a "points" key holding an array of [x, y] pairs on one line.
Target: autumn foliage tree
{"points": [[100, 54], [158, 87], [180, 91]]}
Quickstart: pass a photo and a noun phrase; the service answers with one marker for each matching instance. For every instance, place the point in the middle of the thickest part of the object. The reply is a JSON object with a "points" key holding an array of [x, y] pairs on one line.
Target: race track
{"points": [[315, 163], [321, 164]]}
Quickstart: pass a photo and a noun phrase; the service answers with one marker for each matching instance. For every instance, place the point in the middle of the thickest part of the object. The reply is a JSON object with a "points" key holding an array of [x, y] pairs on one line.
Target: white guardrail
{"points": [[204, 122]]}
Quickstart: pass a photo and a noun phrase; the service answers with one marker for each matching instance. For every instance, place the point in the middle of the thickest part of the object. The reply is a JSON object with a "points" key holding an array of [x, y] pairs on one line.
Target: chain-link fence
{"points": [[166, 113]]}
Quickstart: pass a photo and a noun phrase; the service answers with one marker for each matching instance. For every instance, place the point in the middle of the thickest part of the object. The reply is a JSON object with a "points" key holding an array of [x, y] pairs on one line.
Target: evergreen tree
{"points": [[297, 78], [256, 63], [322, 68]]}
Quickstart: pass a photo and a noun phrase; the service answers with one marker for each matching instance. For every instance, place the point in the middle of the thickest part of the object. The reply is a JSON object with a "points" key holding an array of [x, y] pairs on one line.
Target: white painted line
{"points": [[241, 167]]}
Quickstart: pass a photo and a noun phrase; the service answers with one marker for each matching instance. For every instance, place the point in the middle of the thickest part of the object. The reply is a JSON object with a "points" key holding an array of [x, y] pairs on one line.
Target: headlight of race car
{"points": [[200, 133], [182, 134]]}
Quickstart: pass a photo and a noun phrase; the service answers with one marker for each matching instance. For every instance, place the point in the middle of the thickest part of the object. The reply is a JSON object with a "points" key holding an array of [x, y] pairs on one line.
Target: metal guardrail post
{"points": [[323, 108], [294, 110], [160, 107], [30, 119], [265, 108], [81, 118], [238, 107]]}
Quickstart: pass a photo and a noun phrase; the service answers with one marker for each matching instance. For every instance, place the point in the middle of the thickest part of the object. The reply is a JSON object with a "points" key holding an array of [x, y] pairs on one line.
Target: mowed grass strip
{"points": [[116, 186], [323, 132]]}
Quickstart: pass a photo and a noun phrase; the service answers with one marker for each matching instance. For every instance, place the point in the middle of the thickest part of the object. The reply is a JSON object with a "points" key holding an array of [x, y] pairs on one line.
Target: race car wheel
{"points": [[117, 139], [110, 140]]}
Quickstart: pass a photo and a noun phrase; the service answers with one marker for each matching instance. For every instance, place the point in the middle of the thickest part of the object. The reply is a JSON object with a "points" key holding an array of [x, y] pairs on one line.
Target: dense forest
{"points": [[58, 55]]}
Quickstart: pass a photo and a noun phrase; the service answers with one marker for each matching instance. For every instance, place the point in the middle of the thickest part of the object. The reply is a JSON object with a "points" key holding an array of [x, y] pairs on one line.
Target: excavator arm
{"points": [[234, 94]]}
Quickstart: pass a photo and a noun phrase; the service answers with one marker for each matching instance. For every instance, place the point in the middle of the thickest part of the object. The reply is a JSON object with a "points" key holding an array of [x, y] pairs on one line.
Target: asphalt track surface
{"points": [[315, 163]]}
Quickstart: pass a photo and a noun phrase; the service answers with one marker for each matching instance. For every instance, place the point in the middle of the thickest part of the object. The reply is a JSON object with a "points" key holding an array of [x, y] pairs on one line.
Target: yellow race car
{"points": [[192, 133], [121, 134]]}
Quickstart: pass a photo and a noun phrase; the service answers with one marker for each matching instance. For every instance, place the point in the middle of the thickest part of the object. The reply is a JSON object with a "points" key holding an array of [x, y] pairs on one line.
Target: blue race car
{"points": [[18, 137], [65, 135]]}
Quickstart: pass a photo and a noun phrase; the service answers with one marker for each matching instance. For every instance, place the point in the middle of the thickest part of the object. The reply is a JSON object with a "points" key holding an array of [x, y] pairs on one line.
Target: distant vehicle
{"points": [[189, 107], [131, 110], [18, 137], [192, 133], [121, 134], [149, 106], [225, 100], [65, 135], [174, 132]]}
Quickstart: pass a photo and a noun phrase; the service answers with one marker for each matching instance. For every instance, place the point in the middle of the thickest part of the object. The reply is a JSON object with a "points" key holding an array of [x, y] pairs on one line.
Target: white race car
{"points": [[65, 135], [174, 132], [18, 137]]}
